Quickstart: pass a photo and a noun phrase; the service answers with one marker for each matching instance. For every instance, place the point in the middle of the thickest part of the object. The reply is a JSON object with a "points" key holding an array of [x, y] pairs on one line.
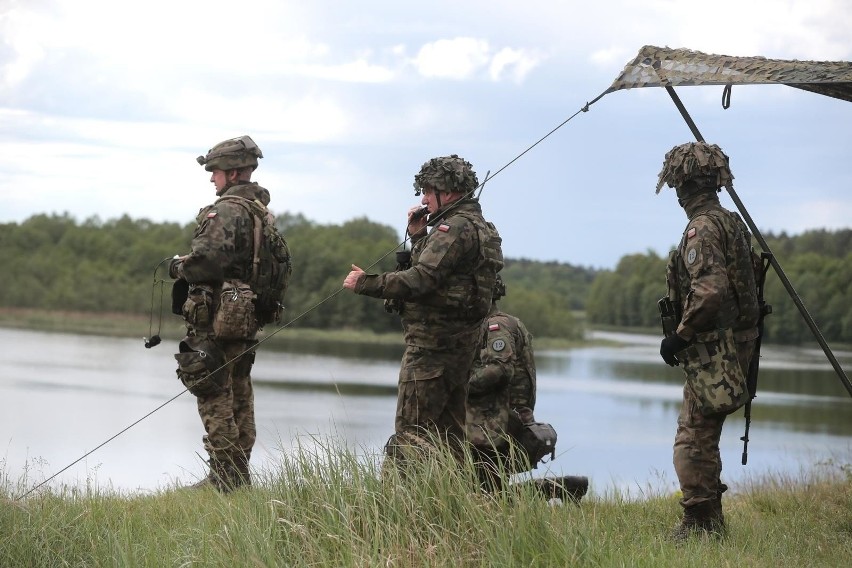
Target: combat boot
{"points": [[222, 477], [242, 473], [702, 519], [568, 488], [717, 509]]}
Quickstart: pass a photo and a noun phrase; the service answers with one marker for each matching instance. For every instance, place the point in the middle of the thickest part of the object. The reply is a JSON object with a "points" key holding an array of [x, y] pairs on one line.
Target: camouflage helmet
{"points": [[699, 162], [231, 154], [450, 174], [499, 289]]}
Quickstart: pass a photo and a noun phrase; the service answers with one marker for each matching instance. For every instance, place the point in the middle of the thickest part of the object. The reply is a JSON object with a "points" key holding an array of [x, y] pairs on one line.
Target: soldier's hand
{"points": [[174, 264], [671, 345], [352, 278], [416, 223]]}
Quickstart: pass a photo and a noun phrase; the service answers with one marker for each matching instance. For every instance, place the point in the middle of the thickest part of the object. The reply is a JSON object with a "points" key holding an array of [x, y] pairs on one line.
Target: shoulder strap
{"points": [[250, 205]]}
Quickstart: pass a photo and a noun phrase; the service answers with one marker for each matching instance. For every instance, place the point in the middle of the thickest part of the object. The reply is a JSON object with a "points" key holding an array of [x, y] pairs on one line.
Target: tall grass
{"points": [[326, 505]]}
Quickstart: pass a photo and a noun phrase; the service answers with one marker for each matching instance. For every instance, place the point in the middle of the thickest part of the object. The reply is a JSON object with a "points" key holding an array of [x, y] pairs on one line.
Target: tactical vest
{"points": [[740, 311], [490, 262], [467, 296], [269, 273]]}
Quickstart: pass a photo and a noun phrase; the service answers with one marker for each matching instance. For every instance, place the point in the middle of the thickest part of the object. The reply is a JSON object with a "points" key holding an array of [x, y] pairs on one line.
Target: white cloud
{"points": [[357, 71], [457, 58], [464, 57], [514, 62], [612, 57], [26, 48], [778, 29]]}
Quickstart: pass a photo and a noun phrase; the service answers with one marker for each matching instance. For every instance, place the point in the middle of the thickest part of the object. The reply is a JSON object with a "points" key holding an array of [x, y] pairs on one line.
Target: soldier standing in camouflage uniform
{"points": [[221, 256], [711, 280], [442, 298]]}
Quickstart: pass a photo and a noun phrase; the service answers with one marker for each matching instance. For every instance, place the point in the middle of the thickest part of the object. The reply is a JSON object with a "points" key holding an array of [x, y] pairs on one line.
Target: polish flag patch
{"points": [[493, 326], [691, 233], [443, 228], [211, 214]]}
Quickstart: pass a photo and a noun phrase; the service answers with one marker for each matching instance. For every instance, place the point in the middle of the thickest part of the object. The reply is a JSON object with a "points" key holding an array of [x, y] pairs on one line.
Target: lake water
{"points": [[614, 408]]}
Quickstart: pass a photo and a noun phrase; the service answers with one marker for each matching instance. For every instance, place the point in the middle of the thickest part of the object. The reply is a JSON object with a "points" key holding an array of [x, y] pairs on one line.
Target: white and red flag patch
{"points": [[493, 326], [691, 233], [443, 227]]}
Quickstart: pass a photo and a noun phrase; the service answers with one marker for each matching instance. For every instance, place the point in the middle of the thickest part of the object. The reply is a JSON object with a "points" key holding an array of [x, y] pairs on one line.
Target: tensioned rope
{"points": [[585, 108]]}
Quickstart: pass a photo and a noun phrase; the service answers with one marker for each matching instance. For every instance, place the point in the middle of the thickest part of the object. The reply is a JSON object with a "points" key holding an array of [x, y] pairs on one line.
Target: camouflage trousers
{"points": [[697, 460], [228, 417], [433, 391]]}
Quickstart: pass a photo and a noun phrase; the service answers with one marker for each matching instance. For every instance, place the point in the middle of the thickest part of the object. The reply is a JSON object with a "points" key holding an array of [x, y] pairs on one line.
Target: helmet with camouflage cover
{"points": [[231, 154], [499, 289], [449, 174], [698, 165]]}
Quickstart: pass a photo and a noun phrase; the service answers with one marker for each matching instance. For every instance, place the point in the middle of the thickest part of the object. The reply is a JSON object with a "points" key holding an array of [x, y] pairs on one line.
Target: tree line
{"points": [[120, 265], [818, 263]]}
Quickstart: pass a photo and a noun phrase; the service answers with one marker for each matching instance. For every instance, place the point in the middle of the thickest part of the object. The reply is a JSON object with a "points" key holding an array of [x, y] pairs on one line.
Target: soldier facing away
{"points": [[224, 307], [712, 285], [442, 298]]}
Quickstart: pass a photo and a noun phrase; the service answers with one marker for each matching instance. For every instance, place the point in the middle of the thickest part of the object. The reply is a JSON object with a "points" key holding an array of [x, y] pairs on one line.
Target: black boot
{"points": [[223, 477], [242, 473], [568, 488], [702, 519]]}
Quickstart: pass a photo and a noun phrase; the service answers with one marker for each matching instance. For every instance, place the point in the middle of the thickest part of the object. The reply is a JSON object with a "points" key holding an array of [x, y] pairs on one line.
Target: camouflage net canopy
{"points": [[665, 67], [450, 174], [695, 161]]}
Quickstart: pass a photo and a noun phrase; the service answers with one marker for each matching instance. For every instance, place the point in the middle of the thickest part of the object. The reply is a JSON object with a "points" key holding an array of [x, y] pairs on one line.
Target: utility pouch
{"points": [[201, 366], [199, 307], [235, 317], [180, 293], [669, 316], [713, 372]]}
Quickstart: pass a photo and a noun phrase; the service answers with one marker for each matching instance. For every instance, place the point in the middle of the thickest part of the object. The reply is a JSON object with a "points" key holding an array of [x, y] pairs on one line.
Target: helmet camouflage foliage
{"points": [[450, 174], [232, 154], [499, 289], [705, 164]]}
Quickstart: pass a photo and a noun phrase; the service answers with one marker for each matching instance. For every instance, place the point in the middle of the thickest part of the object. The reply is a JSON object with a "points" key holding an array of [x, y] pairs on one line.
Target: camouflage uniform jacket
{"points": [[506, 361], [711, 274], [447, 290], [502, 381], [223, 240]]}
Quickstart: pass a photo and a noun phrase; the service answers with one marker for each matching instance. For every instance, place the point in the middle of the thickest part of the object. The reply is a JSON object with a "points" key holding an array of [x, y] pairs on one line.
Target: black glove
{"points": [[671, 345], [173, 265]]}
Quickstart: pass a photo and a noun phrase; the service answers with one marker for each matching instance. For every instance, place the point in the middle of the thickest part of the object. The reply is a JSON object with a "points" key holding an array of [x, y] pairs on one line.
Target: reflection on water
{"points": [[614, 409]]}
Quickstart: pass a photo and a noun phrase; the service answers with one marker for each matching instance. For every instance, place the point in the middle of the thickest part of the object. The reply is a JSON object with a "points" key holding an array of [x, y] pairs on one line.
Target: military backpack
{"points": [[271, 266]]}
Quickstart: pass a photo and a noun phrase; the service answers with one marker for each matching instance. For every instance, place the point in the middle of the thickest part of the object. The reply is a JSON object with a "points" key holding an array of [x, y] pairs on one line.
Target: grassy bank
{"points": [[326, 506]]}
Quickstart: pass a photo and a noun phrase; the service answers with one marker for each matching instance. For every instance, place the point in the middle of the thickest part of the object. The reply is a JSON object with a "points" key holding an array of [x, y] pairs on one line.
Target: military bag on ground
{"points": [[713, 372], [269, 275], [538, 439], [201, 366]]}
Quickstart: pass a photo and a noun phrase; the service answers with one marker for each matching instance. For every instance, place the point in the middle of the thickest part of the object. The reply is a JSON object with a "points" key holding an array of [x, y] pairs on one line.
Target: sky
{"points": [[105, 105]]}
